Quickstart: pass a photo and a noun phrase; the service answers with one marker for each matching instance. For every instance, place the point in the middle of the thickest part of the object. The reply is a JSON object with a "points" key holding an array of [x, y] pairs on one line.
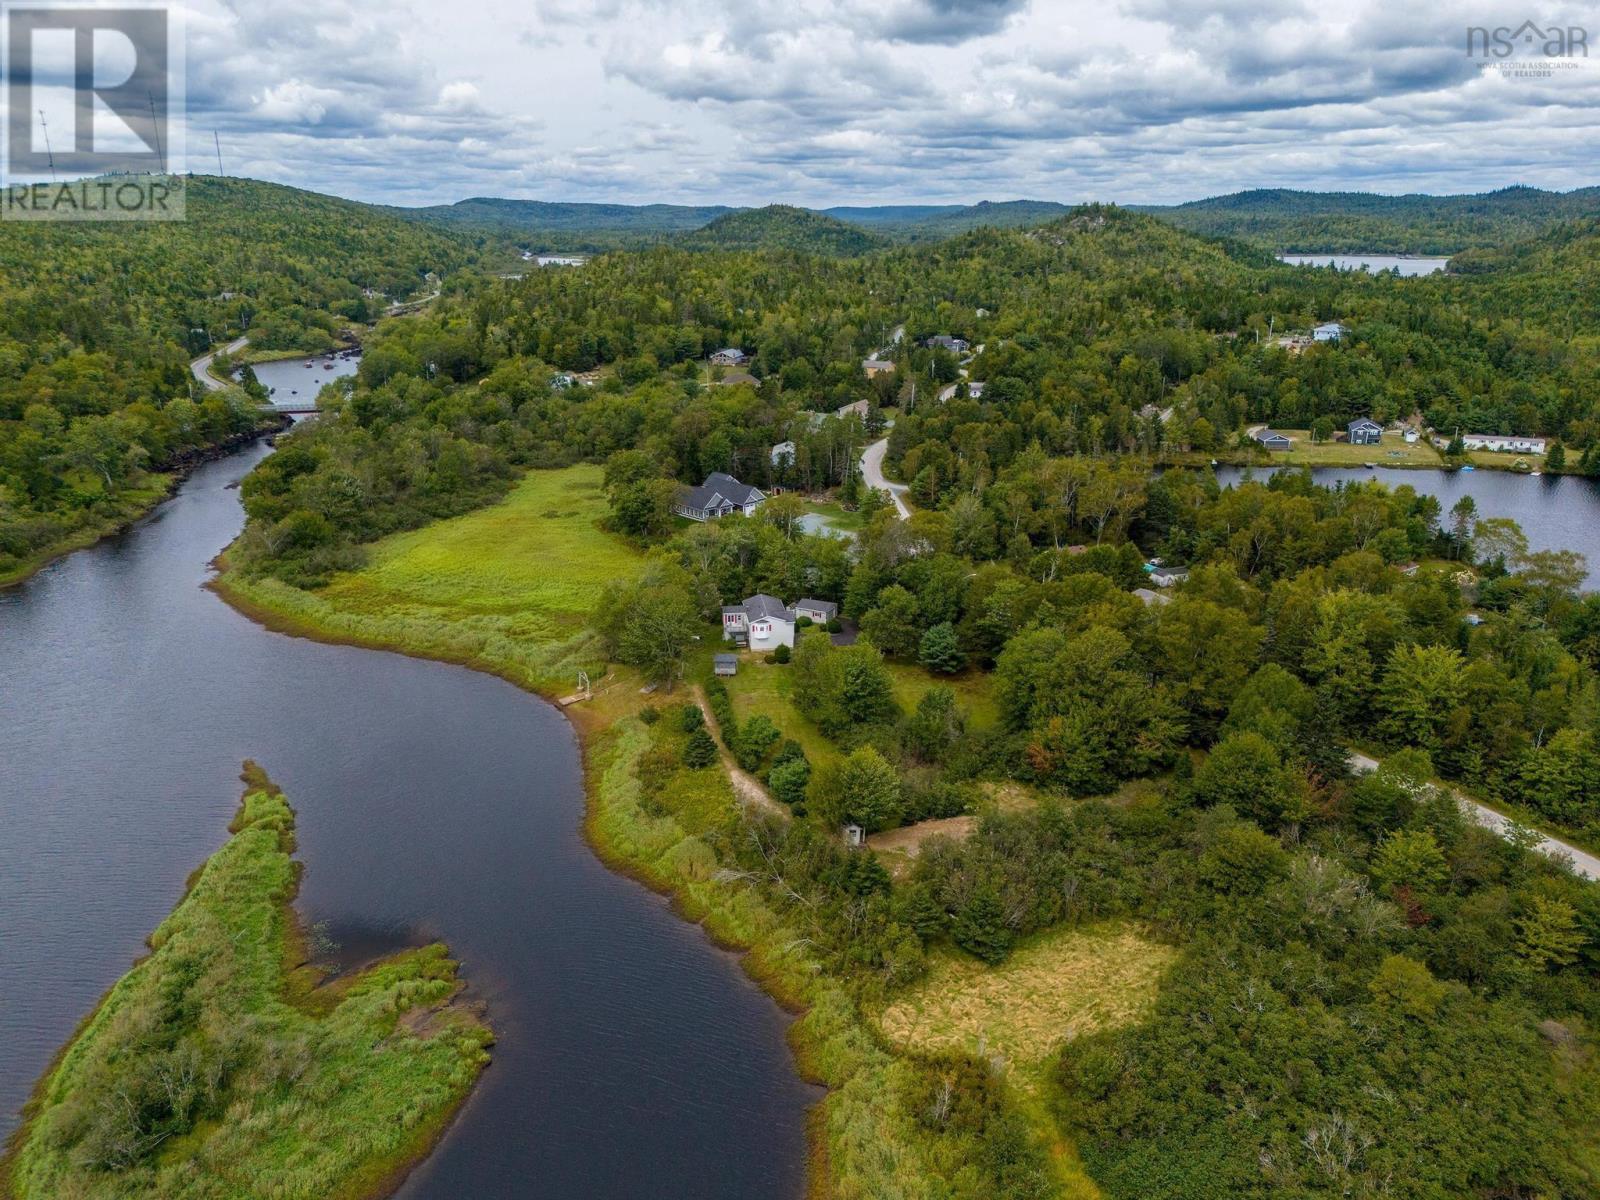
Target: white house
{"points": [[1509, 443], [720, 495], [1329, 331], [761, 620], [782, 455], [730, 356], [1168, 576]]}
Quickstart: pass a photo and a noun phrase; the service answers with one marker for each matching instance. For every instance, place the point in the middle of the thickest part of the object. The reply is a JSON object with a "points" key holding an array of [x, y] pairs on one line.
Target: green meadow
{"points": [[221, 1067], [507, 589]]}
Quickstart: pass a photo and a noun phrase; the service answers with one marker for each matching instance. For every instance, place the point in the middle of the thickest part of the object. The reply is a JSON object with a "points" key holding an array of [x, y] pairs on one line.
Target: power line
{"points": [[155, 128]]}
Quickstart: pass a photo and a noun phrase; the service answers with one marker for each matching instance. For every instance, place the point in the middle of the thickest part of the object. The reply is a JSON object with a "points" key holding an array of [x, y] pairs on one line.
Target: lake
{"points": [[1557, 512], [295, 382], [635, 1059], [1369, 262]]}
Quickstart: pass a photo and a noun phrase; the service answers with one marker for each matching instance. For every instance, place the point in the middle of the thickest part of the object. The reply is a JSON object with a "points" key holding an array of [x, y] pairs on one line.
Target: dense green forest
{"points": [[780, 227], [98, 322], [1361, 222]]}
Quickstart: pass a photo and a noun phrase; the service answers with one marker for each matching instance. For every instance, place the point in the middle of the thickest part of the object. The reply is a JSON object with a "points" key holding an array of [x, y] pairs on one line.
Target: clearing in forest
{"points": [[1052, 988]]}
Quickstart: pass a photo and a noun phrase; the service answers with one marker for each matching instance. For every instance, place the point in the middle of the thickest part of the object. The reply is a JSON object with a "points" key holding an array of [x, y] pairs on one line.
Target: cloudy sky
{"points": [[824, 102]]}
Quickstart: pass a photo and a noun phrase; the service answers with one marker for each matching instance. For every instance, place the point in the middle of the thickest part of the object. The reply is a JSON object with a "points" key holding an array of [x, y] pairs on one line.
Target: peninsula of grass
{"points": [[508, 589], [221, 1065]]}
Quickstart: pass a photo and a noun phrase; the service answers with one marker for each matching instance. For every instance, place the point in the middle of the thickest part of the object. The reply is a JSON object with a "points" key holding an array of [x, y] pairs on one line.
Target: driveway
{"points": [[202, 365], [1585, 865], [872, 476]]}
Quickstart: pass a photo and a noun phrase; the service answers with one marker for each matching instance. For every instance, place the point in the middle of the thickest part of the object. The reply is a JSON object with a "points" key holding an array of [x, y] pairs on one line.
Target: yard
{"points": [[1391, 452], [762, 687]]}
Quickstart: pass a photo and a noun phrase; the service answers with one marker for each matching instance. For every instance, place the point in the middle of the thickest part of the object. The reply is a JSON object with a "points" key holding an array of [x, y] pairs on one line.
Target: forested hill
{"points": [[1363, 222], [98, 322], [1553, 279], [781, 227]]}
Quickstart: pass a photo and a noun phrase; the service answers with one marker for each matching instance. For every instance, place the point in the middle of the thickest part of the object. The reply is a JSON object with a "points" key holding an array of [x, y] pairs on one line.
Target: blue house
{"points": [[1365, 432]]}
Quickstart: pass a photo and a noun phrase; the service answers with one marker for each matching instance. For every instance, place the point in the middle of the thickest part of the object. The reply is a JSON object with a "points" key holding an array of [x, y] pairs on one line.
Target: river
{"points": [[635, 1058], [295, 382], [1557, 512], [1406, 265]]}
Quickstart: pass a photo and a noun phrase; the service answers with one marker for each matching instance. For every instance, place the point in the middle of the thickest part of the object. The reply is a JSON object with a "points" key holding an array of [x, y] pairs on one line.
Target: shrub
{"points": [[650, 714], [699, 751], [788, 781], [782, 654], [690, 718]]}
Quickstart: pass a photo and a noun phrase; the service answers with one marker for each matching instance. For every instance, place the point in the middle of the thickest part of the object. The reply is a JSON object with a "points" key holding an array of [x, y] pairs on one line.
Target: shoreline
{"points": [[594, 733], [172, 477]]}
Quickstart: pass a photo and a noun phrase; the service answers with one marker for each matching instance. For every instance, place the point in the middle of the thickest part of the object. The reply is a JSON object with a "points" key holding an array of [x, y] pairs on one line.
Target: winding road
{"points": [[872, 476], [202, 365], [1585, 865]]}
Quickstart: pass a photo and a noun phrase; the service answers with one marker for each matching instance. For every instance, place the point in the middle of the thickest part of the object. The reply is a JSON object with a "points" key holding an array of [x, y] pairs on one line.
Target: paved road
{"points": [[872, 476], [202, 365], [1585, 865]]}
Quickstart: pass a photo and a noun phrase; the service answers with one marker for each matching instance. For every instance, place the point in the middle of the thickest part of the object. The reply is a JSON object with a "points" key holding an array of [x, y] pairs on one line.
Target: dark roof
{"points": [[1363, 422], [720, 486], [723, 660], [1268, 435], [827, 606], [762, 605]]}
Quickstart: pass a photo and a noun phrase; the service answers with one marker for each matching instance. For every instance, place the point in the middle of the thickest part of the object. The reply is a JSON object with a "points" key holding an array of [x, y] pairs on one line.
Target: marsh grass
{"points": [[217, 1067]]}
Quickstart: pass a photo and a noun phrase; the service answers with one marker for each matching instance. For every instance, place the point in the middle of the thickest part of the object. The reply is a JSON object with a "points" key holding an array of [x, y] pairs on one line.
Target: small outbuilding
{"points": [[1168, 576], [725, 664], [855, 836], [1330, 331], [730, 356]]}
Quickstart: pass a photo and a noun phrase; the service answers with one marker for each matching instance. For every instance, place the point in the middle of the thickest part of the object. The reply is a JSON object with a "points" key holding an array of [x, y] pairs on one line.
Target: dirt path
{"points": [[1585, 865], [746, 786]]}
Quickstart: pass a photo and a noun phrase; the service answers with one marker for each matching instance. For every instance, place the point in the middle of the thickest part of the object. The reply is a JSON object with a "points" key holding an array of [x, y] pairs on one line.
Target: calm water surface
{"points": [[1557, 512], [1368, 262], [296, 381], [635, 1059]]}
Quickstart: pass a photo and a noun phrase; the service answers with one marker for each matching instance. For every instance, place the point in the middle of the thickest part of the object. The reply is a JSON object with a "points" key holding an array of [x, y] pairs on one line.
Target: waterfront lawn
{"points": [[508, 588], [1391, 452], [217, 1067]]}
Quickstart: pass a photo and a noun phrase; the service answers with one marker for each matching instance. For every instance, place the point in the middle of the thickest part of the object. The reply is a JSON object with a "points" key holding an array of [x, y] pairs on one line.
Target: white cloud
{"points": [[824, 101]]}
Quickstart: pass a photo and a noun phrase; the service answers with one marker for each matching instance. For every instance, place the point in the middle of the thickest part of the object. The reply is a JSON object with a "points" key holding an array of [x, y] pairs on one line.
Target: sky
{"points": [[824, 102]]}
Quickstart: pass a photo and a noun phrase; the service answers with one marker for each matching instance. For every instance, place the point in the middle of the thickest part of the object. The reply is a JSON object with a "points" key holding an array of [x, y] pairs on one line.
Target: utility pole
{"points": [[49, 153], [161, 157]]}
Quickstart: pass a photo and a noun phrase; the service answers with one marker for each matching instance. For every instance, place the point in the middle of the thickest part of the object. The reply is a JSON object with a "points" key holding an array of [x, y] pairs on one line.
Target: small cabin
{"points": [[855, 836], [725, 664]]}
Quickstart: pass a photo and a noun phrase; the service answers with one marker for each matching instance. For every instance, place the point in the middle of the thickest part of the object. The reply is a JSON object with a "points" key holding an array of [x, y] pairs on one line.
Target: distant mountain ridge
{"points": [[1277, 219], [1364, 222]]}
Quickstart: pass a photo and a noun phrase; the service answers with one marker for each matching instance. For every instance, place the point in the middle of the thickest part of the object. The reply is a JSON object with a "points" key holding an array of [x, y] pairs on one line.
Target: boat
{"points": [[1370, 466], [1469, 467]]}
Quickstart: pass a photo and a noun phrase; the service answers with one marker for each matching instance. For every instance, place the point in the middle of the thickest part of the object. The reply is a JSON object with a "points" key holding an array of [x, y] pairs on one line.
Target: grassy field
{"points": [[218, 1068], [507, 588], [1059, 985]]}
